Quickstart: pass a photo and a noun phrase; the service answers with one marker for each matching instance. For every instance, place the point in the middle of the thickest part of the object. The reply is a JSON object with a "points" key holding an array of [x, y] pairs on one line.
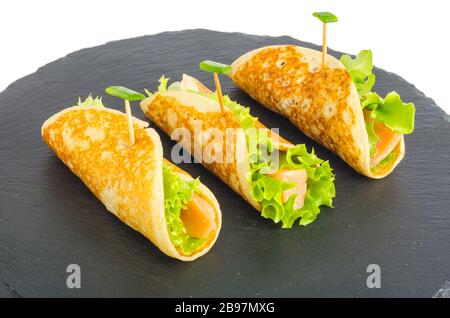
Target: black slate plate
{"points": [[49, 219]]}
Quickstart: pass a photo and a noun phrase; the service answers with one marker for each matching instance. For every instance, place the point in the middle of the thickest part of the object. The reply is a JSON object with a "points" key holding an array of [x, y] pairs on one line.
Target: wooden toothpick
{"points": [[127, 95], [216, 68], [325, 17], [219, 92], [324, 45], [130, 122]]}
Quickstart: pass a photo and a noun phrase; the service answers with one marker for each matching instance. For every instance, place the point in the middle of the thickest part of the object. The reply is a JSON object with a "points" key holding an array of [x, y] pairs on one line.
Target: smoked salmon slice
{"points": [[198, 217], [387, 141], [290, 175]]}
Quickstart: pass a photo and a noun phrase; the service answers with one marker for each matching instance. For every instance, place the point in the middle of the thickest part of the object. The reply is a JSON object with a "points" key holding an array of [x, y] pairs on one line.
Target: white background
{"points": [[410, 38]]}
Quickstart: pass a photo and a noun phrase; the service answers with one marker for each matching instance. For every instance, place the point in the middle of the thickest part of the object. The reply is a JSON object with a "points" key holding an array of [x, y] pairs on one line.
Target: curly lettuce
{"points": [[267, 190], [373, 137], [177, 193], [320, 188], [162, 88], [90, 101], [391, 110], [360, 69]]}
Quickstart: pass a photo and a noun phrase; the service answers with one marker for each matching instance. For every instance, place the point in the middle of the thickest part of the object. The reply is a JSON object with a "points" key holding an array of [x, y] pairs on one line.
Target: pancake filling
{"points": [[387, 119], [190, 218]]}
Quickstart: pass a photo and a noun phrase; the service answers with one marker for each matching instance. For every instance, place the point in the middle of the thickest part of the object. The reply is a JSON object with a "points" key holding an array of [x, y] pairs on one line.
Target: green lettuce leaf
{"points": [[360, 68], [90, 101], [391, 111], [177, 193], [373, 138], [162, 88], [267, 191], [320, 188], [242, 113]]}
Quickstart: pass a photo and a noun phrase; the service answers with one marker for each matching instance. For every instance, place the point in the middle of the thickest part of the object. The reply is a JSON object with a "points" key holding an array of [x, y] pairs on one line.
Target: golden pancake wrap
{"points": [[322, 102], [175, 109], [172, 110], [93, 142]]}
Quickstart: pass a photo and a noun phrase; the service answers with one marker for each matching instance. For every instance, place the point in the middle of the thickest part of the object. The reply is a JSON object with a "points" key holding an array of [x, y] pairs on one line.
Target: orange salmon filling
{"points": [[387, 141], [300, 177], [198, 217]]}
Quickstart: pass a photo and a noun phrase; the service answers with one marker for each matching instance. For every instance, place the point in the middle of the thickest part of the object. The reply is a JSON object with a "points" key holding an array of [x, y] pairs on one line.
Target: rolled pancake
{"points": [[322, 102], [93, 142], [174, 110], [184, 107]]}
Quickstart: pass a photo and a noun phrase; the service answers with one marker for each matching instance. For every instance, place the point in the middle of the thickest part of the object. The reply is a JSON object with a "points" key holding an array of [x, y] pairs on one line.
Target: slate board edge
{"points": [[11, 86]]}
